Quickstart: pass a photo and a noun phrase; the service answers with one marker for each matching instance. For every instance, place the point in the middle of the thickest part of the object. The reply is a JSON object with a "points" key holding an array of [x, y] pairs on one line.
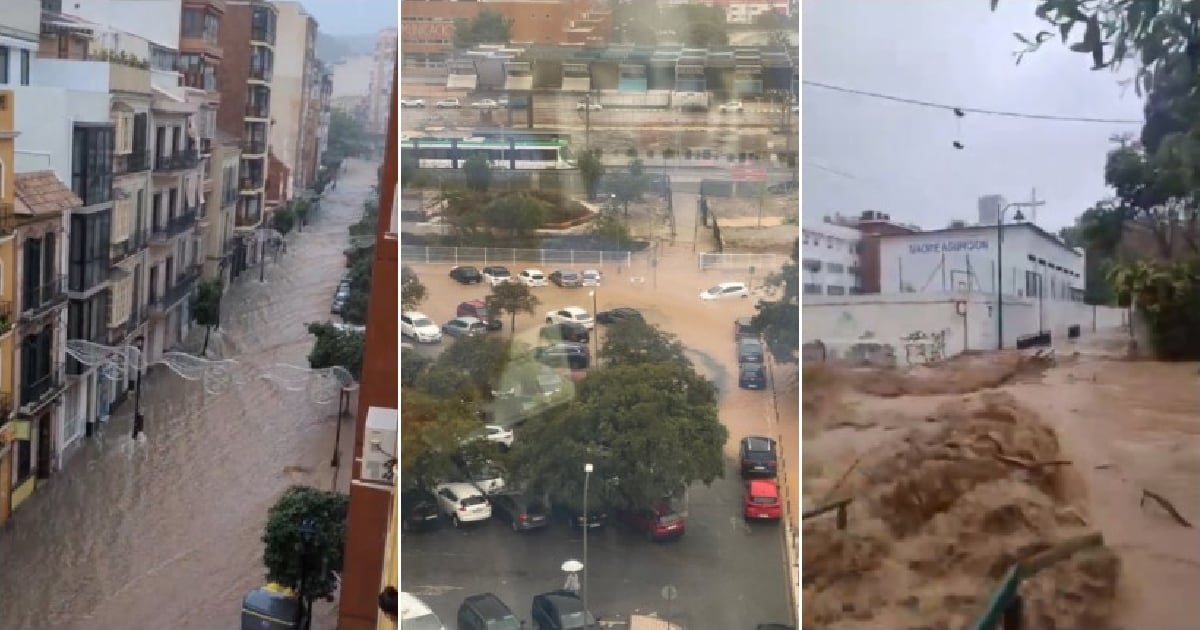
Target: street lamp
{"points": [[587, 474], [308, 534], [1000, 263], [595, 325], [139, 420]]}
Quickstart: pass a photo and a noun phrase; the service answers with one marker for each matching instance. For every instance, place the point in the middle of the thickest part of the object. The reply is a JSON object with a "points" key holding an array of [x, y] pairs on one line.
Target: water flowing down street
{"points": [[165, 533]]}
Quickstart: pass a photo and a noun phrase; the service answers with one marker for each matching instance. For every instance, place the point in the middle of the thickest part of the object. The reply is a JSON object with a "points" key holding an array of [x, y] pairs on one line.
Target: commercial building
{"points": [[371, 494], [294, 61], [383, 66]]}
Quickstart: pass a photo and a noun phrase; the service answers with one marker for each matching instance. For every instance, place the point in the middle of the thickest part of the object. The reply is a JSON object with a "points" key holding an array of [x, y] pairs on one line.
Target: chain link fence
{"points": [[502, 255]]}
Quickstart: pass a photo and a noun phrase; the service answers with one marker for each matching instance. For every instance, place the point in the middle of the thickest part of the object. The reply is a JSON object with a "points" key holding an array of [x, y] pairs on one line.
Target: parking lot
{"points": [[627, 574]]}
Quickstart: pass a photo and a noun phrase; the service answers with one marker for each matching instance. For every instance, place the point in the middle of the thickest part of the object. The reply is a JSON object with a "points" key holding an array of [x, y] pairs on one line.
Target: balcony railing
{"points": [[177, 161], [249, 219], [132, 244], [260, 73], [175, 293], [118, 332], [254, 147], [258, 110], [259, 34], [173, 227], [251, 182], [135, 162], [38, 300], [36, 393]]}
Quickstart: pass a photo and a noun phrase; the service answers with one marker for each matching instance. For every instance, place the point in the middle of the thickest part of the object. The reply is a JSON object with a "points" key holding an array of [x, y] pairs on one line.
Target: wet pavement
{"points": [[165, 533]]}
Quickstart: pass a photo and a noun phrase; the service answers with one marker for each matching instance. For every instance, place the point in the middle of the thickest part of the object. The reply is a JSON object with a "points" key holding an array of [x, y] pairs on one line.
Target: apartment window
{"points": [[192, 23], [834, 267], [835, 290], [91, 164], [812, 289], [1033, 282], [164, 58], [811, 264], [88, 251], [138, 143], [24, 67], [86, 318], [123, 132], [36, 368], [4, 64]]}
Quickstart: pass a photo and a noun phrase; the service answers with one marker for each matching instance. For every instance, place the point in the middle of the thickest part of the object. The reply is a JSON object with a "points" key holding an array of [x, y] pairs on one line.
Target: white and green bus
{"points": [[513, 152]]}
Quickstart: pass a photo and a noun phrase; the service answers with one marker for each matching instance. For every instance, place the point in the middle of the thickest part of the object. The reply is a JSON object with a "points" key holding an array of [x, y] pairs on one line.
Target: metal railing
{"points": [[252, 182], [43, 389], [134, 162], [175, 293], [254, 147], [1005, 604], [179, 160], [260, 74], [116, 334], [260, 34], [501, 255], [248, 219], [173, 227], [258, 110], [131, 245], [39, 299]]}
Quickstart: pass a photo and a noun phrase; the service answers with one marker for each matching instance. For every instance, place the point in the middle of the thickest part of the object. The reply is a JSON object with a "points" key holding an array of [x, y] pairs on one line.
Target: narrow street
{"points": [[165, 533]]}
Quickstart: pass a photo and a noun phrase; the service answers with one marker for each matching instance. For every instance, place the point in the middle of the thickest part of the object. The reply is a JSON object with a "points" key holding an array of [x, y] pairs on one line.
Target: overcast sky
{"points": [[353, 17], [862, 153]]}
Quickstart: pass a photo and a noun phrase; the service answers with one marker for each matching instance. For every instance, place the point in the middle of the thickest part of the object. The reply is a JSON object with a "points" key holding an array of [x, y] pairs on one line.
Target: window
{"points": [[89, 245], [835, 268], [835, 290], [91, 164], [1033, 282], [24, 67], [4, 64], [812, 289]]}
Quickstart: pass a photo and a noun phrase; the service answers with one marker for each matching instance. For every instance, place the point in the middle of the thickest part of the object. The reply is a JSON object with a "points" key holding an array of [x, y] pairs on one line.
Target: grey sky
{"points": [[898, 158], [353, 17]]}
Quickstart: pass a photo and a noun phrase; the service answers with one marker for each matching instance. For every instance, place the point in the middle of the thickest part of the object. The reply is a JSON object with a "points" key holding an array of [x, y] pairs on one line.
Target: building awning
{"points": [[41, 194]]}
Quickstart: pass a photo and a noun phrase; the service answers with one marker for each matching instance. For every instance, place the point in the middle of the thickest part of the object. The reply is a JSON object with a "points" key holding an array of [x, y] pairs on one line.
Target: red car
{"points": [[658, 523], [479, 310], [761, 501]]}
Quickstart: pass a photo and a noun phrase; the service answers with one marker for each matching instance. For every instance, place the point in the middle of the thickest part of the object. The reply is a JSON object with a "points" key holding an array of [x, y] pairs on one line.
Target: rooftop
{"points": [[41, 193]]}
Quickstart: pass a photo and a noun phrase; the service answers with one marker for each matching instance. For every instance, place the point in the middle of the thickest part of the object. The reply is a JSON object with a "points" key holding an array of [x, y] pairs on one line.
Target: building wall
{"points": [[869, 253], [45, 121], [155, 20], [8, 295], [829, 255], [234, 69], [295, 29], [22, 19], [225, 159]]}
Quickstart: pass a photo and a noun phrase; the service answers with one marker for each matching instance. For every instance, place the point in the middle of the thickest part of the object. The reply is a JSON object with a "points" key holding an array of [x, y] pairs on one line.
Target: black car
{"points": [[339, 305], [565, 278], [620, 314], [743, 328], [561, 610], [466, 275], [750, 351], [522, 512], [565, 331], [752, 376], [783, 188], [566, 354], [486, 612], [757, 456], [573, 517], [418, 510]]}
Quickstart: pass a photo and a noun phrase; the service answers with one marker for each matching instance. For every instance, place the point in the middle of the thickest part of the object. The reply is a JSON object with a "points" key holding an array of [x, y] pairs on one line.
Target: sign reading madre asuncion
{"points": [[947, 247]]}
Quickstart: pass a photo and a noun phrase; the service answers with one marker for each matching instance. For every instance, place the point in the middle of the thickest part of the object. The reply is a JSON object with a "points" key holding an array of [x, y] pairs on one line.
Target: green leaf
{"points": [[1065, 30], [1021, 38]]}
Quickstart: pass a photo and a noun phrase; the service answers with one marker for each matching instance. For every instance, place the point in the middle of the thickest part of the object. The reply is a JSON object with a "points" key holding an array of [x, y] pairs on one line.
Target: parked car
{"points": [[463, 503], [743, 328], [593, 106], [484, 475], [412, 102], [761, 500], [657, 523], [338, 306], [418, 510], [486, 612], [561, 610], [757, 456], [573, 517], [750, 351], [532, 278], [418, 327], [498, 434], [565, 278], [567, 354], [725, 290], [619, 314], [416, 615], [479, 310], [464, 327], [448, 103], [590, 277], [731, 107], [752, 376], [486, 103], [466, 274], [566, 331], [571, 314], [522, 512], [496, 274]]}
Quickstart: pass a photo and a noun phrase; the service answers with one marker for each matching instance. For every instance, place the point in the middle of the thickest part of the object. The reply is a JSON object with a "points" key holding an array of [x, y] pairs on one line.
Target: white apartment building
{"points": [[295, 40], [829, 259], [380, 88]]}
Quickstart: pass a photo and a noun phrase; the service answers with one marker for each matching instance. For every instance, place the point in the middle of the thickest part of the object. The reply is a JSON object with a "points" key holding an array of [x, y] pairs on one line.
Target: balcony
{"points": [[218, 6], [134, 243], [105, 71], [260, 111], [262, 36], [196, 43], [118, 332], [254, 147], [175, 294], [205, 146], [37, 301], [162, 234], [178, 161], [6, 318], [260, 73], [251, 183], [41, 391], [135, 162], [249, 220]]}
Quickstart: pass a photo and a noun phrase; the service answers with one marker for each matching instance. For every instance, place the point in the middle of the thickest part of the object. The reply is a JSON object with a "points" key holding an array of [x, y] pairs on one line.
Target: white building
{"points": [[829, 255]]}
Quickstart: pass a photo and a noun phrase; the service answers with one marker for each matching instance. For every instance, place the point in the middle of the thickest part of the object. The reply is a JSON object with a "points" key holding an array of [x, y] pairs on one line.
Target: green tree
{"points": [[488, 27], [408, 170], [206, 307], [519, 214], [512, 298], [412, 292], [284, 220], [468, 368], [412, 365], [591, 170], [347, 137], [700, 26], [355, 310], [779, 320], [433, 429], [650, 429], [477, 171], [634, 342], [334, 347], [300, 210], [282, 542], [612, 230]]}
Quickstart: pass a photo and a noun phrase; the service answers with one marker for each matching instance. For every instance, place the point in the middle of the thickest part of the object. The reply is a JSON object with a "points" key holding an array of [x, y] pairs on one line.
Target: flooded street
{"points": [[165, 533]]}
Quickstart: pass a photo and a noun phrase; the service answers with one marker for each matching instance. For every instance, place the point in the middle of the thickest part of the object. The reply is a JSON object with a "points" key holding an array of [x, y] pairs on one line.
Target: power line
{"points": [[969, 110]]}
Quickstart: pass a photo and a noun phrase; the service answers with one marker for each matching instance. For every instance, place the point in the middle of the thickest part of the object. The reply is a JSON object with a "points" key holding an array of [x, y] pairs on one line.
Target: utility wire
{"points": [[970, 110]]}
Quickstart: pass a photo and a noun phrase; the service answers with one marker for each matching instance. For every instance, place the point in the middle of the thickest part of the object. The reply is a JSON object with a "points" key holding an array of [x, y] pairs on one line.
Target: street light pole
{"points": [[139, 420], [1000, 263], [595, 325], [308, 533], [587, 474]]}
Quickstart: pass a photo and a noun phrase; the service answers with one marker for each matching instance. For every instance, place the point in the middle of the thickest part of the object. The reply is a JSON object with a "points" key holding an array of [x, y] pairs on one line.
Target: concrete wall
{"points": [[46, 118], [23, 18], [856, 323], [155, 20]]}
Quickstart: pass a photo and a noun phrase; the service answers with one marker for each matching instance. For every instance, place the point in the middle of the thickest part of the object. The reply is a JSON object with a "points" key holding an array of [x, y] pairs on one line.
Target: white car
{"points": [[448, 103], [532, 278], [486, 103], [571, 314], [725, 290], [593, 106], [498, 434], [412, 102], [590, 278], [485, 476], [734, 107], [414, 613], [496, 275], [463, 503], [419, 327]]}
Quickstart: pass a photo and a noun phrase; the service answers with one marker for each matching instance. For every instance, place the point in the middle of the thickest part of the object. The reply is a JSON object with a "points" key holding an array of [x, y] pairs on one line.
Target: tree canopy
{"points": [[591, 169], [477, 171], [518, 214], [779, 320], [412, 292], [512, 298], [282, 542], [336, 347], [635, 342], [347, 137], [206, 307]]}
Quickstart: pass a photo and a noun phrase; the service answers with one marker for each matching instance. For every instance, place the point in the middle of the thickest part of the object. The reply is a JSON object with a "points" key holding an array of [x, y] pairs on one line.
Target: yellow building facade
{"points": [[8, 297]]}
